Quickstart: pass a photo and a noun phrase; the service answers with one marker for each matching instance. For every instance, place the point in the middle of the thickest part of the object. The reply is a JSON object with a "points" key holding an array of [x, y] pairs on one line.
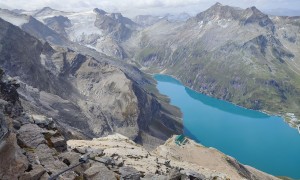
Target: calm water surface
{"points": [[254, 138]]}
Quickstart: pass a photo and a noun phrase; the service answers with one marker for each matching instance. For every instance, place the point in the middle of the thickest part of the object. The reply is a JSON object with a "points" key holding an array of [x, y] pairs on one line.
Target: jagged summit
{"points": [[218, 4], [99, 11], [255, 11], [219, 11], [47, 8], [251, 15], [45, 11]]}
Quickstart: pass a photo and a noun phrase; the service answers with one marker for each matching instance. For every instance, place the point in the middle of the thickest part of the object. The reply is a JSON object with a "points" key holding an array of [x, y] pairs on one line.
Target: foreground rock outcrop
{"points": [[129, 160]]}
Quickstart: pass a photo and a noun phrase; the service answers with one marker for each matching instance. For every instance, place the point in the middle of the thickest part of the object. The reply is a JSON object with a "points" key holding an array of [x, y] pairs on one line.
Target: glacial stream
{"points": [[253, 138]]}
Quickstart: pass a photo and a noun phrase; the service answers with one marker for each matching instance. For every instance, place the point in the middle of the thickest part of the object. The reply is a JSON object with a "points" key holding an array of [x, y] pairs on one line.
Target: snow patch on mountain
{"points": [[15, 19], [82, 25]]}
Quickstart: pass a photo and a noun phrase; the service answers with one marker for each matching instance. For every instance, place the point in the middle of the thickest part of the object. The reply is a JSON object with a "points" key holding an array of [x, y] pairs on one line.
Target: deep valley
{"points": [[80, 82]]}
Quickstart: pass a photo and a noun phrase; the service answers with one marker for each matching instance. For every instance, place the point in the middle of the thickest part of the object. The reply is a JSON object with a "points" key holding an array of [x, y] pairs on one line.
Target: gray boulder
{"points": [[69, 158], [129, 173], [35, 174], [189, 174], [72, 158], [174, 174], [155, 177], [106, 160], [59, 143], [43, 121], [99, 171]]}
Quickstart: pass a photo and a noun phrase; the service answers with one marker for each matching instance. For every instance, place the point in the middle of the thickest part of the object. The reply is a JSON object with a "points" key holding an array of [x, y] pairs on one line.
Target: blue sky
{"points": [[134, 7]]}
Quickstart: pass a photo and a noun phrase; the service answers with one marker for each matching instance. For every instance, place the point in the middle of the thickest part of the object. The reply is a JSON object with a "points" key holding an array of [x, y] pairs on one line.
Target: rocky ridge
{"points": [[168, 161]]}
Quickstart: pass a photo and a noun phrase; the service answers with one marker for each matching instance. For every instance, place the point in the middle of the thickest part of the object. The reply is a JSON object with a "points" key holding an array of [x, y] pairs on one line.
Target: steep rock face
{"points": [[24, 60], [37, 29], [58, 24], [229, 53], [87, 97], [111, 95], [268, 46], [159, 123], [115, 24], [115, 29], [253, 15], [107, 95]]}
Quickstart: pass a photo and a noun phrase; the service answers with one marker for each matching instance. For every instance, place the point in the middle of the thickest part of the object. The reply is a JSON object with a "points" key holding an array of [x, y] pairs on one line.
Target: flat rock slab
{"points": [[31, 135]]}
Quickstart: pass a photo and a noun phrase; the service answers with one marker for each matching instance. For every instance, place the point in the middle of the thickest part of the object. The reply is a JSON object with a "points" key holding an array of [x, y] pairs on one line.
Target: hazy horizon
{"points": [[132, 8]]}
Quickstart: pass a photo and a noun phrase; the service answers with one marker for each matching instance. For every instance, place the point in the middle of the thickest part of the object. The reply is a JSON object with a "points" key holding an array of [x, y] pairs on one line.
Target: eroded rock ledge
{"points": [[125, 158]]}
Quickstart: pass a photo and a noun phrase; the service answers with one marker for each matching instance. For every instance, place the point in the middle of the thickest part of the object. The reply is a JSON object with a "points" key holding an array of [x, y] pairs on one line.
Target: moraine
{"points": [[254, 138]]}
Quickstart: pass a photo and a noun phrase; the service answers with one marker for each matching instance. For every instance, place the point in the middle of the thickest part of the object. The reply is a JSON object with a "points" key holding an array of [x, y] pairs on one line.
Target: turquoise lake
{"points": [[253, 138]]}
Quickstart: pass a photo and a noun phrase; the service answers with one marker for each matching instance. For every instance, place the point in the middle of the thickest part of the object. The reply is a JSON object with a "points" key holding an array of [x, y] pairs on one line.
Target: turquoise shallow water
{"points": [[254, 138]]}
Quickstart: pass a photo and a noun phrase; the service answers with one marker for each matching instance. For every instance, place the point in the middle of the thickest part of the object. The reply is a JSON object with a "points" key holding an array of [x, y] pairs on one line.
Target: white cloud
{"points": [[133, 7], [4, 6]]}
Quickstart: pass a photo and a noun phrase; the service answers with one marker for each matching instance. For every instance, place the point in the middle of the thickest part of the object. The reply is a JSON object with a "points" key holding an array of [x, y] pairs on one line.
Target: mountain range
{"points": [[82, 75], [240, 55]]}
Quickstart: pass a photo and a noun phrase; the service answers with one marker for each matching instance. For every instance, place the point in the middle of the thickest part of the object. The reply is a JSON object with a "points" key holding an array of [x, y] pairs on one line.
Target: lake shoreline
{"points": [[283, 116]]}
